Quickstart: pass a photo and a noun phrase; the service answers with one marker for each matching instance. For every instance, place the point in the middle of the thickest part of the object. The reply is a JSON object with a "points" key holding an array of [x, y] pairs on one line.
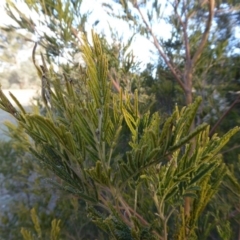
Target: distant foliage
{"points": [[55, 230]]}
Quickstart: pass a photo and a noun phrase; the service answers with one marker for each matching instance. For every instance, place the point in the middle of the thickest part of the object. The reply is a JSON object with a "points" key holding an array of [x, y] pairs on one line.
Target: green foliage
{"points": [[25, 185], [62, 18], [55, 229], [133, 192], [110, 151]]}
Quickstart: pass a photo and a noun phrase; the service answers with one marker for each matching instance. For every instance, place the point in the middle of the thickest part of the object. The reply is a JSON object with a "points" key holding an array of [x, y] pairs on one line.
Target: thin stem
{"points": [[230, 149], [158, 206], [237, 100], [206, 32], [169, 215], [110, 157], [185, 35], [157, 45], [165, 230], [131, 211], [126, 215], [135, 200]]}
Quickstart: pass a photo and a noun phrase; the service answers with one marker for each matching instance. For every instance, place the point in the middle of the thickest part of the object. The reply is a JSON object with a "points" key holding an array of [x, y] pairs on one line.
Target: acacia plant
{"points": [[199, 41], [131, 192]]}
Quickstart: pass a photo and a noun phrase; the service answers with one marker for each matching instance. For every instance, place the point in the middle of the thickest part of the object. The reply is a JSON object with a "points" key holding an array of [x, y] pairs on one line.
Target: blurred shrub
{"points": [[26, 185]]}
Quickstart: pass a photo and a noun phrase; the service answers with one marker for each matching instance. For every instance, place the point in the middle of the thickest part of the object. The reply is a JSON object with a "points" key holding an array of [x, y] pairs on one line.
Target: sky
{"points": [[140, 46], [143, 49]]}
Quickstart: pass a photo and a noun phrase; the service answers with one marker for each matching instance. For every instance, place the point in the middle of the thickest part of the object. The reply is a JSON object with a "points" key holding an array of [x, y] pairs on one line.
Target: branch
{"points": [[188, 63], [140, 218], [185, 35], [157, 45], [75, 33], [237, 100], [206, 32], [230, 149]]}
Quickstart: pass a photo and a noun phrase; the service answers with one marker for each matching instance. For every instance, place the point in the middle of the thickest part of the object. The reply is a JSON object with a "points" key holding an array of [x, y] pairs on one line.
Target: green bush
{"points": [[138, 191], [25, 185]]}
